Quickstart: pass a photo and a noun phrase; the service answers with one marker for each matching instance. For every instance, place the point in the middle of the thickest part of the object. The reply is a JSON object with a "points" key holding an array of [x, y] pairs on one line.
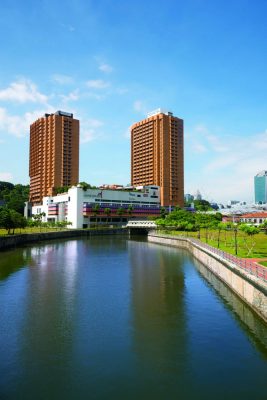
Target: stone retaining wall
{"points": [[249, 288], [19, 240]]}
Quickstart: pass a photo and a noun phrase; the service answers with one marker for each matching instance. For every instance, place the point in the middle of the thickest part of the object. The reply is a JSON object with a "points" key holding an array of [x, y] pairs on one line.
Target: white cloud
{"points": [[97, 84], [23, 91], [62, 79], [90, 130], [95, 96], [127, 133], [72, 96], [19, 125], [6, 176], [140, 107], [121, 91], [229, 166], [105, 68], [68, 27], [199, 148]]}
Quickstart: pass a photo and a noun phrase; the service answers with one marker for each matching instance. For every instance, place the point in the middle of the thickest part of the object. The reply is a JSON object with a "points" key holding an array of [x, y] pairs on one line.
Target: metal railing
{"points": [[250, 266]]}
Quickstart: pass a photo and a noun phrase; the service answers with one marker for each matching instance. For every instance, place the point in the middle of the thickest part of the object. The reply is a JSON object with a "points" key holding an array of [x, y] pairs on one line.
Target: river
{"points": [[112, 318]]}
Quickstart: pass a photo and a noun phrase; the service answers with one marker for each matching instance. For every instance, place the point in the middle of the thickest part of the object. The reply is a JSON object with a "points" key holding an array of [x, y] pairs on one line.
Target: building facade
{"points": [[260, 187], [257, 218], [82, 208], [54, 154], [157, 155]]}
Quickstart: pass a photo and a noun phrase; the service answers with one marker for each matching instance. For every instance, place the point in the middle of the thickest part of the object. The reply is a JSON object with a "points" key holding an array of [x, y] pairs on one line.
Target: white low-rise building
{"points": [[85, 207], [254, 218]]}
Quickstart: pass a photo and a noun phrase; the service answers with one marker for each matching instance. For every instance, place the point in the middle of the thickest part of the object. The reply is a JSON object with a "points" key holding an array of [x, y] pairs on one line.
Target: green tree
{"points": [[202, 205], [96, 210], [130, 210], [163, 212], [61, 189], [107, 211], [250, 231], [11, 219], [14, 196], [120, 211], [264, 227], [38, 219]]}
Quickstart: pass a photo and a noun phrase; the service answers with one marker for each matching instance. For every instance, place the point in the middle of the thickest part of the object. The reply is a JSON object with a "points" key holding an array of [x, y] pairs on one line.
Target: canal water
{"points": [[111, 318]]}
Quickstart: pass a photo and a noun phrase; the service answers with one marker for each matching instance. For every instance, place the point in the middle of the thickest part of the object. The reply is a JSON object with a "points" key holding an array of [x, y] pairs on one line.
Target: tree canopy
{"points": [[14, 196]]}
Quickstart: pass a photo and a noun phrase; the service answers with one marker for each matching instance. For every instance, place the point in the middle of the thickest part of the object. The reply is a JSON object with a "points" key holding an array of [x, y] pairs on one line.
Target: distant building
{"points": [[231, 203], [54, 154], [254, 218], [197, 196], [188, 198], [260, 187], [157, 155], [105, 206]]}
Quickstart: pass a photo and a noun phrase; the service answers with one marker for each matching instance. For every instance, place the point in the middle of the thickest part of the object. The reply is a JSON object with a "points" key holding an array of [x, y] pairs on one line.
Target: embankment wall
{"points": [[19, 240], [249, 288]]}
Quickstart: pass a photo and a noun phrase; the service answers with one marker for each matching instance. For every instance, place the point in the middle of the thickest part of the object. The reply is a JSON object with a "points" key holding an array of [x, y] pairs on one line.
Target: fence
{"points": [[249, 266]]}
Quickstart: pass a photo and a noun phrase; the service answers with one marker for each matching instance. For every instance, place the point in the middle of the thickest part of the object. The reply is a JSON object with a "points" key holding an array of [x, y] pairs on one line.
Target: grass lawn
{"points": [[258, 242], [19, 231], [3, 232], [264, 263]]}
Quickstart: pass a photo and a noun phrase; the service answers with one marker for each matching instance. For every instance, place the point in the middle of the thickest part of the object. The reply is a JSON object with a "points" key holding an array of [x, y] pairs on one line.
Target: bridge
{"points": [[140, 226]]}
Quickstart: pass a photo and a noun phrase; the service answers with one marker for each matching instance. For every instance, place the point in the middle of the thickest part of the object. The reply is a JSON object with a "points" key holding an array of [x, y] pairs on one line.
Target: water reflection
{"points": [[159, 320], [12, 261], [117, 319], [248, 319]]}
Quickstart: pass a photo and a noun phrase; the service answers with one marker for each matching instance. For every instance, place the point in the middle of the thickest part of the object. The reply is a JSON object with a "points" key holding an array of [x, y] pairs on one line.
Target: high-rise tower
{"points": [[54, 154], [260, 187], [157, 155]]}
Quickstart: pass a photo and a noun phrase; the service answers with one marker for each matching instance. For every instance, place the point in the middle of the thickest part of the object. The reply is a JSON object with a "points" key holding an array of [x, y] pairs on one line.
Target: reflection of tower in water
{"points": [[47, 333], [158, 306]]}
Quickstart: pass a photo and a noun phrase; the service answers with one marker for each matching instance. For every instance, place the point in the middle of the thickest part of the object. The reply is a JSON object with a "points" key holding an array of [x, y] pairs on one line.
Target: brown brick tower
{"points": [[157, 155], [54, 154]]}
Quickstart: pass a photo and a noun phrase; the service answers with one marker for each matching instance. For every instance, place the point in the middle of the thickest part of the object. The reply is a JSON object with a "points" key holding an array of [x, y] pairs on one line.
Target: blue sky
{"points": [[112, 61]]}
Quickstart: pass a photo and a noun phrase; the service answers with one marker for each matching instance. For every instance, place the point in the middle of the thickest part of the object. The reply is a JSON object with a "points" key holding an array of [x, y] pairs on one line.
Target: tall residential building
{"points": [[260, 187], [54, 154], [157, 155]]}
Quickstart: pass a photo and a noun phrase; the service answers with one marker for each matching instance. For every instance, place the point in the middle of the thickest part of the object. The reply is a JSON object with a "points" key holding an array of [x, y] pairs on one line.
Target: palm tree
{"points": [[120, 211], [130, 210], [107, 211], [96, 210]]}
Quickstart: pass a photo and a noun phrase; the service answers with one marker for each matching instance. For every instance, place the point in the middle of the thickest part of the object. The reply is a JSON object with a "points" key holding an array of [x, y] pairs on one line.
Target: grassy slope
{"points": [[227, 242]]}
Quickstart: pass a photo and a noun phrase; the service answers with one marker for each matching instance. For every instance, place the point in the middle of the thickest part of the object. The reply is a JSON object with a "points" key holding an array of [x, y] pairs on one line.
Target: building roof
{"points": [[255, 215], [262, 173]]}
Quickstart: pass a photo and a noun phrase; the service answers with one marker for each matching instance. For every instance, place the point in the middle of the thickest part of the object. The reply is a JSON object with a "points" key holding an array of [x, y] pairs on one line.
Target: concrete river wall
{"points": [[251, 289], [19, 240]]}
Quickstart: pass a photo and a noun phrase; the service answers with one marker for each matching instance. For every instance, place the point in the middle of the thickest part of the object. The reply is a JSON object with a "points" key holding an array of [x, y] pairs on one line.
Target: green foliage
{"points": [[120, 211], [202, 205], [107, 211], [188, 221], [250, 230], [163, 212], [86, 186], [264, 227], [96, 209], [130, 210], [61, 189], [14, 195], [11, 219], [5, 188]]}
